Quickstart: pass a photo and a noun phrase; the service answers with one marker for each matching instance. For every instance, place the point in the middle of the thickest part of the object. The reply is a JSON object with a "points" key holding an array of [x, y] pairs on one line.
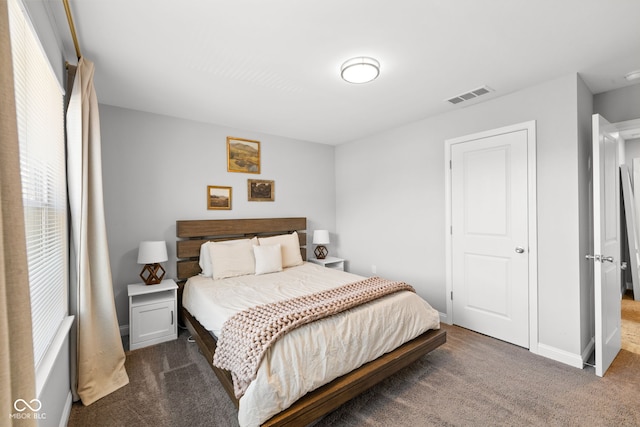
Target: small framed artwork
{"points": [[261, 190], [243, 155], [218, 197]]}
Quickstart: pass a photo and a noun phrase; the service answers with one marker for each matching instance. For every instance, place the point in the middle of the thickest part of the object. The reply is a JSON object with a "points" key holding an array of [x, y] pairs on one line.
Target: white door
{"points": [[606, 256], [489, 245]]}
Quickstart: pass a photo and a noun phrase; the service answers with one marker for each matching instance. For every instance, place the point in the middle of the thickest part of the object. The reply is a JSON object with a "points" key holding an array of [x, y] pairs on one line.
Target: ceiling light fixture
{"points": [[634, 75], [360, 70]]}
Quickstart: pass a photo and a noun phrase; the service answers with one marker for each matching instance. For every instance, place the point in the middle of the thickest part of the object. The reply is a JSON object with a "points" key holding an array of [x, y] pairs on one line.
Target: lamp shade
{"points": [[152, 252], [321, 237]]}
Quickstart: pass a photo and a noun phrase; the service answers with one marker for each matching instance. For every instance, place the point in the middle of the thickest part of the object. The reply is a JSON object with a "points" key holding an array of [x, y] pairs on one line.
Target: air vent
{"points": [[472, 94]]}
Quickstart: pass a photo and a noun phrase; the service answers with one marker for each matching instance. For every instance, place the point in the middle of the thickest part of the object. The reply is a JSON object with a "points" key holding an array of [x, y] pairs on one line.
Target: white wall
{"points": [[390, 201], [156, 170]]}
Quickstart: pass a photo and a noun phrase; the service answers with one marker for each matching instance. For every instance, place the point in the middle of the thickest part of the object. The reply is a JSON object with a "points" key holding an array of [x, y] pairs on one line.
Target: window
{"points": [[40, 116]]}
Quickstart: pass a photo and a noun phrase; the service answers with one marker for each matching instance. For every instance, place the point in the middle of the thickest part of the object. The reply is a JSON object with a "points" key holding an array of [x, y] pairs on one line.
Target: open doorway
{"points": [[609, 159], [630, 323], [630, 307]]}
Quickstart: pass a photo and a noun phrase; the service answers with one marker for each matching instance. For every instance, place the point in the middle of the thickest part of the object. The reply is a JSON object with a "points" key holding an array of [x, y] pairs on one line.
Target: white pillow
{"points": [[290, 248], [232, 258], [205, 260], [268, 258]]}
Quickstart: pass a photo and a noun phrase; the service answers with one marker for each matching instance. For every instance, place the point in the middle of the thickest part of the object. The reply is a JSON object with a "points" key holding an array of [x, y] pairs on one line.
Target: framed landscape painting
{"points": [[261, 190], [218, 197], [243, 155]]}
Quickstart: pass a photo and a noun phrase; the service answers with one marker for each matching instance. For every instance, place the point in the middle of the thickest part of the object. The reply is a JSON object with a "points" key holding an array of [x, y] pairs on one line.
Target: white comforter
{"points": [[314, 354]]}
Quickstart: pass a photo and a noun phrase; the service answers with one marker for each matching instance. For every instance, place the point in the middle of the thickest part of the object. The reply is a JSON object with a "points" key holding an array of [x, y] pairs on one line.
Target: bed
{"points": [[316, 395]]}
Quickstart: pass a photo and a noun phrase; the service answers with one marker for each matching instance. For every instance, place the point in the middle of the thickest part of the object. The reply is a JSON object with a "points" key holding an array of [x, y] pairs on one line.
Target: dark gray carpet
{"points": [[471, 380], [170, 384]]}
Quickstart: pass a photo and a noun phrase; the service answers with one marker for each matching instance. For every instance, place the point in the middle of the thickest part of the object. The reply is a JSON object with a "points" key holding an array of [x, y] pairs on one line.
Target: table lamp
{"points": [[151, 254], [321, 238]]}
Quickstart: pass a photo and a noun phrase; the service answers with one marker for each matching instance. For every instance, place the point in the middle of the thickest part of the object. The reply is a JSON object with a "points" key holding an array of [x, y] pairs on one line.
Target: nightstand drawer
{"points": [[153, 313], [153, 321]]}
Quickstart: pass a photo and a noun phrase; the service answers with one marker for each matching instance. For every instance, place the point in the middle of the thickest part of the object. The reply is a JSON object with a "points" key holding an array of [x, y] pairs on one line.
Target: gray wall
{"points": [[632, 151], [156, 170], [618, 105], [56, 392], [390, 201], [585, 190]]}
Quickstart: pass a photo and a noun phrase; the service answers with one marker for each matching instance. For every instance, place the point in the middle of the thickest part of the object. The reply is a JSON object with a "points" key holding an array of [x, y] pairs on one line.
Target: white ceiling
{"points": [[273, 66]]}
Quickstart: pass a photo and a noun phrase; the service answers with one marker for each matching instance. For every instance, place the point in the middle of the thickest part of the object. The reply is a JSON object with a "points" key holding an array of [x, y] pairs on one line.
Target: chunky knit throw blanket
{"points": [[246, 336]]}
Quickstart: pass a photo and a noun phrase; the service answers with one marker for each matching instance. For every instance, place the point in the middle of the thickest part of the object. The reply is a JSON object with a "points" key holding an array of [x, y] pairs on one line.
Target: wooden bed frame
{"points": [[325, 399]]}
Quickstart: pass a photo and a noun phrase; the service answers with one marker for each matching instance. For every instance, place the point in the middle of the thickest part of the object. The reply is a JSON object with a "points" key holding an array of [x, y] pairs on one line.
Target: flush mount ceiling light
{"points": [[360, 70], [634, 75]]}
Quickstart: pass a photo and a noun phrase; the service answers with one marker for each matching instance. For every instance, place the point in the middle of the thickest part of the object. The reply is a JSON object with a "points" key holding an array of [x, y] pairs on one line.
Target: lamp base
{"points": [[152, 274], [321, 252]]}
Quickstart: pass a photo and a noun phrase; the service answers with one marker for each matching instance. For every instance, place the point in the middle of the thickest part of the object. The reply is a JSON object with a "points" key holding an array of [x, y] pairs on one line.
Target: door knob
{"points": [[519, 249], [606, 258]]}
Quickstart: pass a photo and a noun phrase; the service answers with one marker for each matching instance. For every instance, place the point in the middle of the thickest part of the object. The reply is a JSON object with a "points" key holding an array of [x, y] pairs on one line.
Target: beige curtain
{"points": [[99, 365], [17, 372]]}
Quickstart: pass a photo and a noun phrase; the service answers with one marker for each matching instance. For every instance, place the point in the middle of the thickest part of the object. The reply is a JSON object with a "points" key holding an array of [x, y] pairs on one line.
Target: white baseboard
{"points": [[66, 412], [443, 318], [124, 330], [562, 356], [588, 350]]}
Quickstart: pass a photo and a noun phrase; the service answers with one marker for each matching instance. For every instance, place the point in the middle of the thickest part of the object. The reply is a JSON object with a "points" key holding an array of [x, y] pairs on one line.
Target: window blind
{"points": [[40, 118]]}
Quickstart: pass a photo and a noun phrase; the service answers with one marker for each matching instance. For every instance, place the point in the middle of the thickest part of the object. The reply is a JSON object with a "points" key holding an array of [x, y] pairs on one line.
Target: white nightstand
{"points": [[329, 262], [153, 313]]}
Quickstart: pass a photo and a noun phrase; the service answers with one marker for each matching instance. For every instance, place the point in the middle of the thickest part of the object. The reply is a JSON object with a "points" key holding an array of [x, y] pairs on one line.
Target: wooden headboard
{"points": [[193, 233]]}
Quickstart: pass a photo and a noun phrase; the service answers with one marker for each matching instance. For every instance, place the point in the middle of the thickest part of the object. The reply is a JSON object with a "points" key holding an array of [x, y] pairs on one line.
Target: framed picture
{"points": [[243, 155], [261, 190], [218, 197]]}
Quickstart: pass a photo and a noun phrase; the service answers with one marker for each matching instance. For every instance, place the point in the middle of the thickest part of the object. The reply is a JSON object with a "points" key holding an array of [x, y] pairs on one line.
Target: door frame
{"points": [[532, 253]]}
